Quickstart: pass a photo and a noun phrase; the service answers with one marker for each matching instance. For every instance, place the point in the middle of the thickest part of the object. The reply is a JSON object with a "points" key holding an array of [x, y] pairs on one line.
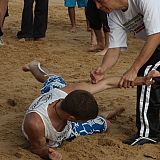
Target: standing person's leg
{"points": [[72, 17], [106, 30], [87, 21], [148, 107], [3, 9], [70, 4], [83, 3], [95, 23], [40, 19], [27, 20], [93, 38], [100, 41]]}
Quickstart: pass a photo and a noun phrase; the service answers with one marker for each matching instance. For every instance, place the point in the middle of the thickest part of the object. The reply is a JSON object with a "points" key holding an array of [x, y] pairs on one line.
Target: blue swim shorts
{"points": [[89, 127], [53, 82], [72, 3]]}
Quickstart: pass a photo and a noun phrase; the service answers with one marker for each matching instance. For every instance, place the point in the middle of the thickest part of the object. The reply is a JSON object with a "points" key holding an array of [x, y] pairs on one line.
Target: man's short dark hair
{"points": [[80, 104]]}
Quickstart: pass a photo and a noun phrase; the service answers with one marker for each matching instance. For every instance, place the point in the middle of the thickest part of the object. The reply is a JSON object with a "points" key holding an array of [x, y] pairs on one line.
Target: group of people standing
{"points": [[34, 22]]}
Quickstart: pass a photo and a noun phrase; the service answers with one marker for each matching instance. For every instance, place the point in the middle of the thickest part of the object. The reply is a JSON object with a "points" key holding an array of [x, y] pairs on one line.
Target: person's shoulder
{"points": [[33, 123]]}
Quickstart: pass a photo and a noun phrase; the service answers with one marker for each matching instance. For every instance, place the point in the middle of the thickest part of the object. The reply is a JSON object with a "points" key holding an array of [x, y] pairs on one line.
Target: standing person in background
{"points": [[34, 26], [71, 4], [3, 14], [140, 17], [98, 22]]}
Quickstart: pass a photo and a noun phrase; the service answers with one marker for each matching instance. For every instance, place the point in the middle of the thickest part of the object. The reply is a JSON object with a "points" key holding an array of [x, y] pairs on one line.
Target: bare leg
{"points": [[93, 38], [39, 73], [71, 12], [103, 52], [113, 114], [3, 9], [99, 45]]}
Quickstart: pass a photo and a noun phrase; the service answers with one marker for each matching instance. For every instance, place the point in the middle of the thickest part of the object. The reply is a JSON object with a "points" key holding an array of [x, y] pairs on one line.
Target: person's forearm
{"points": [[43, 152], [139, 81], [147, 51], [109, 82], [110, 58]]}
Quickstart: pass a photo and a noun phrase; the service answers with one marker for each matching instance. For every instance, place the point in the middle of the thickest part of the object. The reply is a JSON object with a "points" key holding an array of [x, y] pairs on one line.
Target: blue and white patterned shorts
{"points": [[53, 82], [89, 127]]}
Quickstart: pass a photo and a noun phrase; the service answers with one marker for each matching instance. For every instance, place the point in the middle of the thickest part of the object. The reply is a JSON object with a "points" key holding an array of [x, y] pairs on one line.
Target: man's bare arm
{"points": [[106, 83], [34, 129], [109, 59], [147, 51]]}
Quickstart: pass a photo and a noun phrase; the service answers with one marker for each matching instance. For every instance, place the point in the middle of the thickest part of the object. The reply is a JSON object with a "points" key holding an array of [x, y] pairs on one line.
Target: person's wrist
{"points": [[103, 69]]}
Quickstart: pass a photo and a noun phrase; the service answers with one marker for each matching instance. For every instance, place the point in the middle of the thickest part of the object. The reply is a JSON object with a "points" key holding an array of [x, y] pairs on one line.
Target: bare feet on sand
{"points": [[73, 29], [95, 48], [102, 53]]}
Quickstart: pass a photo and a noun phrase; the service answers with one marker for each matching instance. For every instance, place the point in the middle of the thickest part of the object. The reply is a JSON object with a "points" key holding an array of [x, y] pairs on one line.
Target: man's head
{"points": [[110, 5], [80, 104]]}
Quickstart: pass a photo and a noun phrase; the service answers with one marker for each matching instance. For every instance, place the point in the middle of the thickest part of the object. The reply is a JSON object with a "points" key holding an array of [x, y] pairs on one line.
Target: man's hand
{"points": [[153, 73], [54, 155], [97, 75], [147, 80], [128, 78]]}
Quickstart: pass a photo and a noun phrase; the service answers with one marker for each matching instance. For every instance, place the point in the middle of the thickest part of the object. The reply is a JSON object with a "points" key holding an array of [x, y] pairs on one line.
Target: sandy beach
{"points": [[66, 54]]}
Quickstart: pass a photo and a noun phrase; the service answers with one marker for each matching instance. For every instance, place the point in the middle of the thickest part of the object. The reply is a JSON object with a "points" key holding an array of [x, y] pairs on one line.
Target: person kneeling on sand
{"points": [[63, 112]]}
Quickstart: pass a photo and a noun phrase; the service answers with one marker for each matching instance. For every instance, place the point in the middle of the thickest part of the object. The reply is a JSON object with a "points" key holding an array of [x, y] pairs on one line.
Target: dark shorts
{"points": [[96, 17]]}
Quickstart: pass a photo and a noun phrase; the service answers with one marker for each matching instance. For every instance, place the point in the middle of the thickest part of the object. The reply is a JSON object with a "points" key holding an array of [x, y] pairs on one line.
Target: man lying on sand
{"points": [[63, 112]]}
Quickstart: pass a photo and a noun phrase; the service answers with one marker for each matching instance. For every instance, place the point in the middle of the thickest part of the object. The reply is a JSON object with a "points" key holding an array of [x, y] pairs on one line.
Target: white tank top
{"points": [[40, 106]]}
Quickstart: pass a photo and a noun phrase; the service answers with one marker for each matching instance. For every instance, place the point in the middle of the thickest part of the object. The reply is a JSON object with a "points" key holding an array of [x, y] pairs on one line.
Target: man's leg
{"points": [[113, 114], [27, 20], [87, 21], [148, 107], [104, 20], [71, 12], [3, 9], [103, 52], [40, 19], [38, 71], [70, 4], [93, 38], [97, 125], [95, 23]]}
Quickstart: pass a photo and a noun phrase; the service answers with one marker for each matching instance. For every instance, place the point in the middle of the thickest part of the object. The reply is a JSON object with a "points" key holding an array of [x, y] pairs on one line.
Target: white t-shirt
{"points": [[142, 18]]}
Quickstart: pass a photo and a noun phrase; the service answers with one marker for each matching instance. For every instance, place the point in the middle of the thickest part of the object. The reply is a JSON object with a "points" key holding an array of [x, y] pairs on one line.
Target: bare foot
{"points": [[102, 53], [27, 67], [73, 29], [95, 48], [114, 113]]}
